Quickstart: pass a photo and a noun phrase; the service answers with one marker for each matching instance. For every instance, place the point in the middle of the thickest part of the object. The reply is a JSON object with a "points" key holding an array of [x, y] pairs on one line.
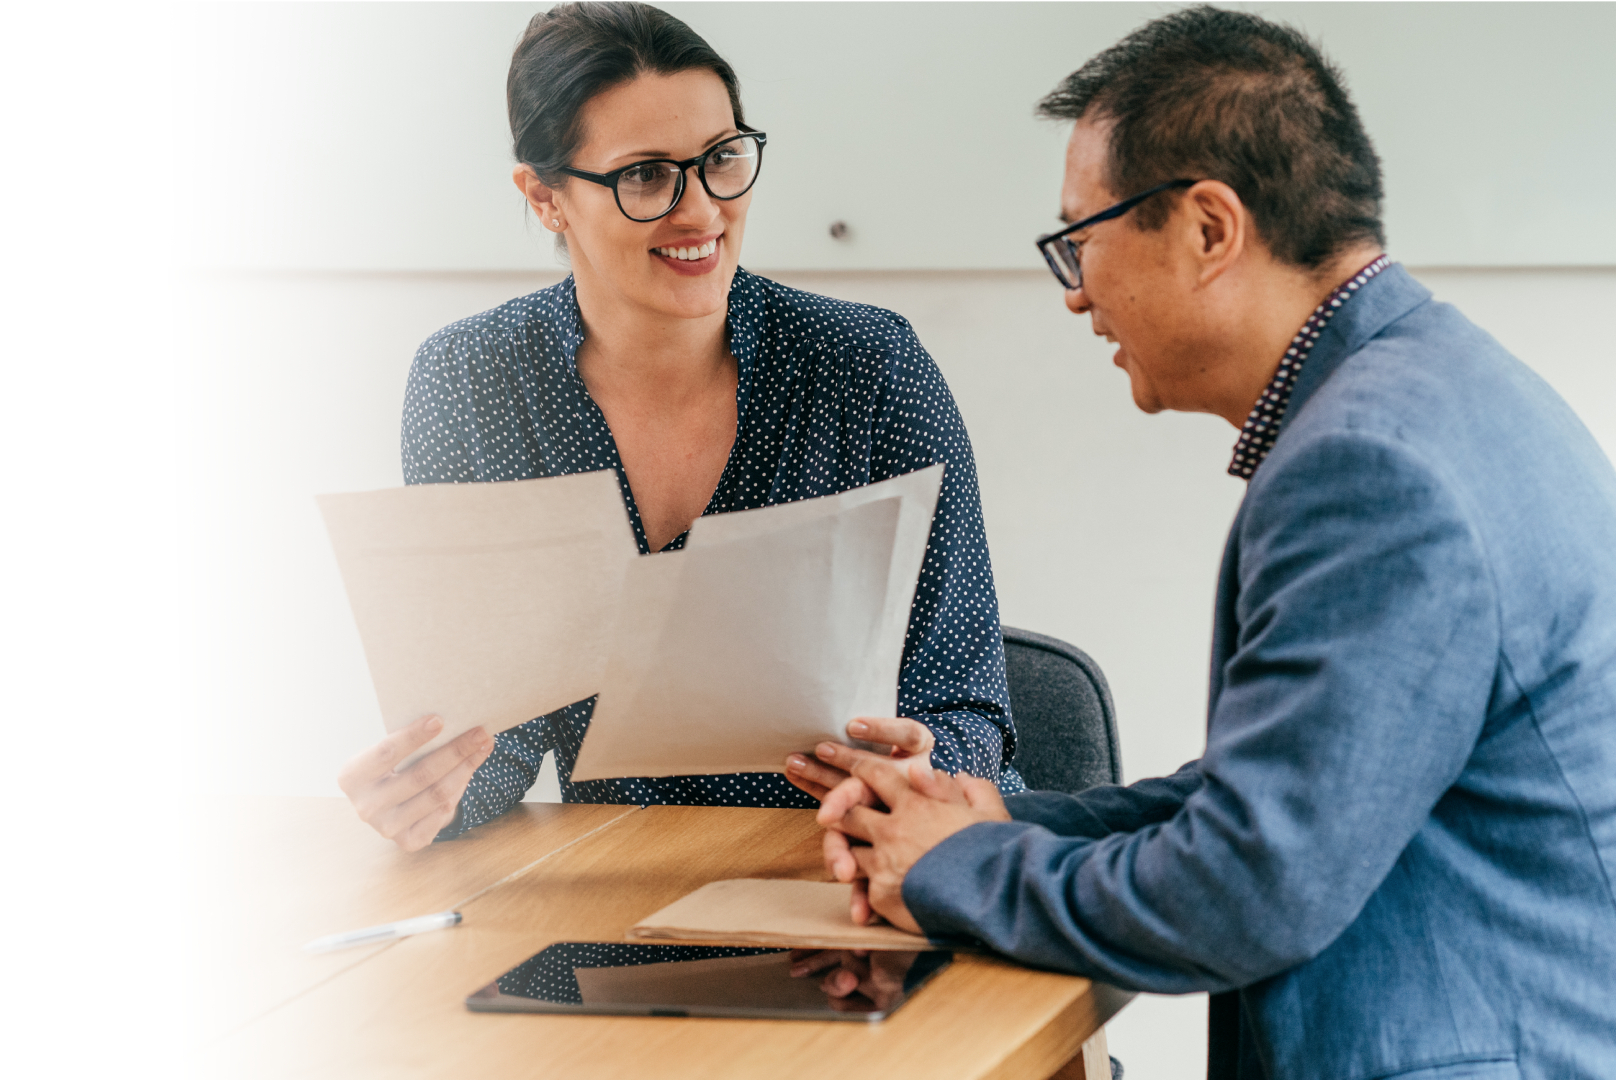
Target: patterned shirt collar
{"points": [[1262, 425]]}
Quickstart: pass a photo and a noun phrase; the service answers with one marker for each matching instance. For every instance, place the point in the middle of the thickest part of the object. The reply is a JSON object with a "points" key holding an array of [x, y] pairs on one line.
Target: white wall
{"points": [[1105, 525], [372, 136]]}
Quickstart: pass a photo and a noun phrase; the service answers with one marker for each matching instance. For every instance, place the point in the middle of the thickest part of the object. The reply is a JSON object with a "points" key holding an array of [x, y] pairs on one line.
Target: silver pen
{"points": [[370, 935]]}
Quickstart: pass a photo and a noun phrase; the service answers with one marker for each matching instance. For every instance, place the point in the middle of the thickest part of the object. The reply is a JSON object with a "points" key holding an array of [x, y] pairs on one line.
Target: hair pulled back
{"points": [[574, 51]]}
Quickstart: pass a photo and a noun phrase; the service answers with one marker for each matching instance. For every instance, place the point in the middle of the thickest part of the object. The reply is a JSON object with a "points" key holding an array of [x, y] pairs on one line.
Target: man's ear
{"points": [[1217, 227], [541, 197]]}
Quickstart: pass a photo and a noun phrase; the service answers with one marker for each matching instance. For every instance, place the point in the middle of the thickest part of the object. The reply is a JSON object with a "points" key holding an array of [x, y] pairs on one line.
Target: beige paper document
{"points": [[491, 604], [768, 633], [483, 603], [729, 657], [918, 491], [755, 911]]}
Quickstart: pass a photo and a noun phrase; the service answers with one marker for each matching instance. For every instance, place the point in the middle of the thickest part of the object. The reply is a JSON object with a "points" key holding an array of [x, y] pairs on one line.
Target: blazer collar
{"points": [[1382, 300]]}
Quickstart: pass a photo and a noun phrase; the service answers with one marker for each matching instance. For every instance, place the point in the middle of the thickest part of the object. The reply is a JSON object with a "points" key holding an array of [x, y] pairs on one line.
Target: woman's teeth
{"points": [[689, 253]]}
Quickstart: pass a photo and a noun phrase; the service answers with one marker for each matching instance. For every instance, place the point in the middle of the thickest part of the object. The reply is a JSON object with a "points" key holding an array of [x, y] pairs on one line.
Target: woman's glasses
{"points": [[647, 190], [1062, 253]]}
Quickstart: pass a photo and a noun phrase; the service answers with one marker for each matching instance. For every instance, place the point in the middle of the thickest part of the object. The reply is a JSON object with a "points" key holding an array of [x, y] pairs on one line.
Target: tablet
{"points": [[709, 980]]}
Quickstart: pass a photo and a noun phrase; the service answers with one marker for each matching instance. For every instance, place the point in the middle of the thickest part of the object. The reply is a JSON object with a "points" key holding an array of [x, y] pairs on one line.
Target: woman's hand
{"points": [[410, 807], [903, 738]]}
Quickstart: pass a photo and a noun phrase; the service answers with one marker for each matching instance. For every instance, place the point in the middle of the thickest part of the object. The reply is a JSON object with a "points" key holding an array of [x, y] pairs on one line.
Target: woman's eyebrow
{"points": [[640, 155]]}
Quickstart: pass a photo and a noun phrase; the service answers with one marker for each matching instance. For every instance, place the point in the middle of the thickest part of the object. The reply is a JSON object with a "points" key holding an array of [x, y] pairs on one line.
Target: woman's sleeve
{"points": [[953, 659], [500, 782]]}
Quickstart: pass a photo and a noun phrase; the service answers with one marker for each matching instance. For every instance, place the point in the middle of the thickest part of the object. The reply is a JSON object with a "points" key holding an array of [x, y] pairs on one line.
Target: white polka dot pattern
{"points": [[832, 395], [552, 974], [1262, 424]]}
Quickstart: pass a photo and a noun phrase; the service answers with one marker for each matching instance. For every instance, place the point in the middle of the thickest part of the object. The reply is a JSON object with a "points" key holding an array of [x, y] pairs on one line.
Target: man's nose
{"points": [[1077, 301]]}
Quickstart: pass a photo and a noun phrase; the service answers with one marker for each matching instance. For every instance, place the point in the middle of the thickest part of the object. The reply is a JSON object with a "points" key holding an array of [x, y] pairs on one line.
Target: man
{"points": [[1400, 844]]}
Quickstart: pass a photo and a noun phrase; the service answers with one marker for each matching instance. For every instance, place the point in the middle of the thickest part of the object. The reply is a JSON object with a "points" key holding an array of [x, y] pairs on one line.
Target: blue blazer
{"points": [[1400, 844]]}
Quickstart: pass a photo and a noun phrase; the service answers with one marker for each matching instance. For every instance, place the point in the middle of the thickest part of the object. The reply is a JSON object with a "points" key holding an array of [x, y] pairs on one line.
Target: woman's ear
{"points": [[541, 197]]}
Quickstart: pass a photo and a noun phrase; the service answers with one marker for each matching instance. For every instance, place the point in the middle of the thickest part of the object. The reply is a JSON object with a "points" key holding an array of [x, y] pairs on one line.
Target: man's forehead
{"points": [[1084, 190]]}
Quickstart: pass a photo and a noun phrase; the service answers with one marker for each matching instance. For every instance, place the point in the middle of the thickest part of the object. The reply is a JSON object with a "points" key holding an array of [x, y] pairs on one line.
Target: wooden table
{"points": [[278, 873]]}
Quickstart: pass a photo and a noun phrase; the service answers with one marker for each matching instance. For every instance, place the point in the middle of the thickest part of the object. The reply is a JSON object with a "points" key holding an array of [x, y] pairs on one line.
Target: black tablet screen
{"points": [[710, 980]]}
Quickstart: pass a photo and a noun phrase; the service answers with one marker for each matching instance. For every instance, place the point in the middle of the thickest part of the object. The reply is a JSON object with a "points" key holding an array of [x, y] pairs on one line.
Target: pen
{"points": [[385, 932]]}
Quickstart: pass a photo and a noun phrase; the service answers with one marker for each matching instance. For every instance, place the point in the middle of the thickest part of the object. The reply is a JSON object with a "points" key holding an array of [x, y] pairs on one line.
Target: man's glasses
{"points": [[1061, 252], [647, 190]]}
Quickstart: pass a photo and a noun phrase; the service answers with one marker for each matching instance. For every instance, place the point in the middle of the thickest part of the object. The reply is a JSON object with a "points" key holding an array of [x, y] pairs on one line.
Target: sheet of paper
{"points": [[755, 911], [730, 655], [483, 603], [878, 682]]}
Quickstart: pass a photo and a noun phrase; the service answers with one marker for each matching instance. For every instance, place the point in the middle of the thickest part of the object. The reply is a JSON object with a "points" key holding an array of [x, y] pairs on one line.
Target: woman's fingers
{"points": [[906, 737], [407, 822], [374, 764], [395, 788], [812, 776]]}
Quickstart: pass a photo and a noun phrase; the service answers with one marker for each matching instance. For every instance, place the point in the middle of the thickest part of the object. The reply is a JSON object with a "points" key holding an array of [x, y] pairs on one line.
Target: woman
{"points": [[706, 388]]}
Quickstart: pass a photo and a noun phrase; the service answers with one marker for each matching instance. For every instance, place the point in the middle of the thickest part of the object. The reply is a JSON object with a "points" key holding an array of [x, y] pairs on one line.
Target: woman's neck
{"points": [[635, 352]]}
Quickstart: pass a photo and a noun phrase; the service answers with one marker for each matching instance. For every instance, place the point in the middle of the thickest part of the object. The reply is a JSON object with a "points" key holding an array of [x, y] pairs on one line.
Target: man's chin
{"points": [[1145, 399]]}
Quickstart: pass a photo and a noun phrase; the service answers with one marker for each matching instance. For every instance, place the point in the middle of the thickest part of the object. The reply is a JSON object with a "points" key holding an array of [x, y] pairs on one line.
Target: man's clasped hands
{"points": [[882, 812]]}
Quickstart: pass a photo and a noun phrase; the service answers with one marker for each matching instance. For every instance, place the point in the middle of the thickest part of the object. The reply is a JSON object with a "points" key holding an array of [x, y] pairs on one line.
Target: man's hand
{"points": [[904, 738], [410, 807], [922, 808]]}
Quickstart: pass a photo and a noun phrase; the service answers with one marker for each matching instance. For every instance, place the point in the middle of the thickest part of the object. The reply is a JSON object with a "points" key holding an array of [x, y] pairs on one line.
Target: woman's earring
{"points": [[556, 222]]}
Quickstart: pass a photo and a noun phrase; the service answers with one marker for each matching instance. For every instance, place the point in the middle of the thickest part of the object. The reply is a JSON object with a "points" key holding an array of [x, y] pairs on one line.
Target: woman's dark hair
{"points": [[572, 52], [1222, 95]]}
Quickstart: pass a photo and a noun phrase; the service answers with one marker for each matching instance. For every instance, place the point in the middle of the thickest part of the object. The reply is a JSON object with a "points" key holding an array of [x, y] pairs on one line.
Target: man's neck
{"points": [[1278, 305]]}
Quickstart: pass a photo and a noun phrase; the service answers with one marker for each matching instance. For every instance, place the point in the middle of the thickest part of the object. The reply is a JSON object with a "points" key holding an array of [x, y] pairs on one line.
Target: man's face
{"points": [[1134, 291]]}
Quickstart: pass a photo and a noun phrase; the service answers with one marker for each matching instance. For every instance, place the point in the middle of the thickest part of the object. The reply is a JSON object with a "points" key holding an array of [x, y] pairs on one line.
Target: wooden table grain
{"points": [[273, 874], [590, 872]]}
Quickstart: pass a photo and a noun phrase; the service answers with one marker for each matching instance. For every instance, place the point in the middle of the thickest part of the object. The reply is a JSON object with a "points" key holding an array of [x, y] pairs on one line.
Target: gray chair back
{"points": [[1066, 725]]}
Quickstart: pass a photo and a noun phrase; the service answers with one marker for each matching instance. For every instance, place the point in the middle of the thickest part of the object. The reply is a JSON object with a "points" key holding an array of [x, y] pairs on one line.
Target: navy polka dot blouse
{"points": [[832, 395]]}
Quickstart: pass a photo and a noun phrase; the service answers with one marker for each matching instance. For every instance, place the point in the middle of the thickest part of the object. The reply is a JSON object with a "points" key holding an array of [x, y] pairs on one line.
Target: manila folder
{"points": [[754, 911]]}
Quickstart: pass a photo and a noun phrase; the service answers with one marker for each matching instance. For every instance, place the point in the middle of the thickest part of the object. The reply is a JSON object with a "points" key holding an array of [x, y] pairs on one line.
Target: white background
{"points": [[338, 189]]}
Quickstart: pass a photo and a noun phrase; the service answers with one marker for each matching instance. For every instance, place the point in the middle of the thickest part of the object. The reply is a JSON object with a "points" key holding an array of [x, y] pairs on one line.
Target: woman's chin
{"points": [[691, 297]]}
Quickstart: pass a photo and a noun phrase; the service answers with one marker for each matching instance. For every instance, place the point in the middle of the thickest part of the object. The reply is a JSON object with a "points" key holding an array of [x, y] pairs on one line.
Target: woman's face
{"points": [[654, 116]]}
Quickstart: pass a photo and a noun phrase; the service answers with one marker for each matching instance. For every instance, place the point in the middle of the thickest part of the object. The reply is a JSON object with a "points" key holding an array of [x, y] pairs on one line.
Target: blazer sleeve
{"points": [[1354, 694], [1107, 808], [953, 677]]}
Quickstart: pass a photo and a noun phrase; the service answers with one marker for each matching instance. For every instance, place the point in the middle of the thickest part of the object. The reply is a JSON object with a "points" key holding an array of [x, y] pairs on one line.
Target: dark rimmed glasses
{"points": [[647, 190], [1061, 252]]}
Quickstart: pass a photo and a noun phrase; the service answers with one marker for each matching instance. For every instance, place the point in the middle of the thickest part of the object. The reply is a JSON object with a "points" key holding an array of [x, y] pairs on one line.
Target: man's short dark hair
{"points": [[1222, 95]]}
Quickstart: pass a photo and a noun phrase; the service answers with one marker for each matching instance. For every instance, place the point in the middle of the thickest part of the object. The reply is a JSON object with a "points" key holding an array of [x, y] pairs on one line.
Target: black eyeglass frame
{"points": [[1046, 244], [609, 179]]}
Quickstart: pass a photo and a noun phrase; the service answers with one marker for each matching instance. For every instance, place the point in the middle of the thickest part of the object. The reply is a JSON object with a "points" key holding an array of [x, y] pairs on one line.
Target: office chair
{"points": [[1066, 725]]}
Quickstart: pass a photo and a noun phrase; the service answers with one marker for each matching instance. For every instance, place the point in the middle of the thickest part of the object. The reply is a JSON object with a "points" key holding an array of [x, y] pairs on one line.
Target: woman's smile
{"points": [[692, 257]]}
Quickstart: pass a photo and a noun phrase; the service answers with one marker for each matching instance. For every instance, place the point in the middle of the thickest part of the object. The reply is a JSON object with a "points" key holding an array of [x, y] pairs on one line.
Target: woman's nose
{"points": [[695, 205], [1077, 301]]}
